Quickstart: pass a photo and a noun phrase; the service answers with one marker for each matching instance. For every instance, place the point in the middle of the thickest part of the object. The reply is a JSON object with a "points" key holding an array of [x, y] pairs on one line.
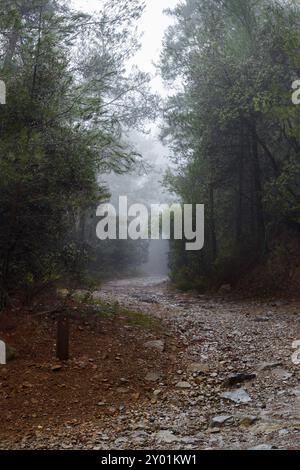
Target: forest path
{"points": [[221, 337], [210, 372]]}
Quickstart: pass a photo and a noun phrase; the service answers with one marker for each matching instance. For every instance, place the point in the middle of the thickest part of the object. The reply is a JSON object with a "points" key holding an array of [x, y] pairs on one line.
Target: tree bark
{"points": [[213, 236], [261, 229], [241, 159]]}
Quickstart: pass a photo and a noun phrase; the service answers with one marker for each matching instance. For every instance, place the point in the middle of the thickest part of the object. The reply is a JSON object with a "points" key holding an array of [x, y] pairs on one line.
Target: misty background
{"points": [[145, 184]]}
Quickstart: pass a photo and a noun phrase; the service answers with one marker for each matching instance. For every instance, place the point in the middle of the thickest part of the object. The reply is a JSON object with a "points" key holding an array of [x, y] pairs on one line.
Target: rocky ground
{"points": [[212, 373]]}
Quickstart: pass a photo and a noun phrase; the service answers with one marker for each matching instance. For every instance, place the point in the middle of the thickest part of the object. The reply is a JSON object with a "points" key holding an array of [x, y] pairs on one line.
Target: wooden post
{"points": [[62, 339]]}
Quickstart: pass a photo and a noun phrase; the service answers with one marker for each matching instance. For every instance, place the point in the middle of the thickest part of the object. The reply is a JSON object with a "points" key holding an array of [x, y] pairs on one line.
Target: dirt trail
{"points": [[222, 337], [231, 382]]}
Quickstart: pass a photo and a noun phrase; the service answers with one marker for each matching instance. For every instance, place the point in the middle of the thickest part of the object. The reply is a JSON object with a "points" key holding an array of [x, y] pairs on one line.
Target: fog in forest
{"points": [[149, 229], [145, 186]]}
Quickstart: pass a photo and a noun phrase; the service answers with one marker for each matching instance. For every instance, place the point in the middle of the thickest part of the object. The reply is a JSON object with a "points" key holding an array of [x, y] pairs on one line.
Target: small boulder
{"points": [[263, 447], [101, 403], [166, 437], [262, 319], [222, 420], [152, 377], [281, 374], [158, 345], [56, 368], [237, 396], [183, 385], [295, 392]]}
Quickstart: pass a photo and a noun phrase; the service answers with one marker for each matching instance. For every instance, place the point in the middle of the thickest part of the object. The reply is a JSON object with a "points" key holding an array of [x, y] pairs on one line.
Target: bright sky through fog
{"points": [[153, 24]]}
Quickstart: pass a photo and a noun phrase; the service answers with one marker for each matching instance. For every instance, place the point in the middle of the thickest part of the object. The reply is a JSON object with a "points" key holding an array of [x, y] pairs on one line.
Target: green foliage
{"points": [[114, 311], [233, 128], [60, 129]]}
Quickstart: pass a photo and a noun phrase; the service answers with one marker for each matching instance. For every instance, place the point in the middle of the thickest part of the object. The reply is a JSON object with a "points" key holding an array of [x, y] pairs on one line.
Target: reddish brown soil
{"points": [[106, 370]]}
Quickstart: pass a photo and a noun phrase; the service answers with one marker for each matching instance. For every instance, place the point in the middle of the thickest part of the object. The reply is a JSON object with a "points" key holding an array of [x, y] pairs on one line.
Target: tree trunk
{"points": [[261, 230], [239, 219], [213, 236]]}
